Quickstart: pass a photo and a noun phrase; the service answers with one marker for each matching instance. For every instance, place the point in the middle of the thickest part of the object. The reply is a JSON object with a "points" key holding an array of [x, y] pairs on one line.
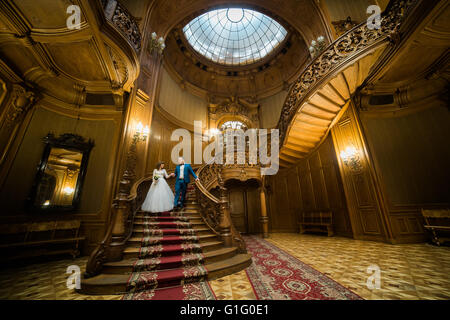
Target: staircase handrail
{"points": [[356, 42], [223, 225], [101, 254]]}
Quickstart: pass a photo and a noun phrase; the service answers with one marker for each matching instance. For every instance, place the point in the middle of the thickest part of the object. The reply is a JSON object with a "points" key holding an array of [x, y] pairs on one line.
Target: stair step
{"points": [[182, 212], [206, 246], [117, 283], [126, 266], [202, 238], [189, 218], [169, 224], [190, 215], [138, 230], [198, 230]]}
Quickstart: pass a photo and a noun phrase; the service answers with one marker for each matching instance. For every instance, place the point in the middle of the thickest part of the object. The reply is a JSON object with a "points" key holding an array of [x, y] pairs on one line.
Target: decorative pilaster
{"points": [[19, 103], [121, 204], [264, 218], [225, 217], [362, 191]]}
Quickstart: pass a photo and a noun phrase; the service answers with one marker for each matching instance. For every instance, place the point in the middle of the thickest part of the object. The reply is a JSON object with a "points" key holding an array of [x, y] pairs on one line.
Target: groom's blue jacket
{"points": [[187, 170]]}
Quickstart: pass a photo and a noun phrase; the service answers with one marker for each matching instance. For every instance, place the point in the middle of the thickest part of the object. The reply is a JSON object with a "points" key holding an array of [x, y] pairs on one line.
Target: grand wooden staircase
{"points": [[171, 249], [145, 251]]}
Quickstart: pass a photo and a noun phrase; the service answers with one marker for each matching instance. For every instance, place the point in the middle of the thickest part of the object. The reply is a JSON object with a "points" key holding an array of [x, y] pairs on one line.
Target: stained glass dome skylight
{"points": [[234, 36]]}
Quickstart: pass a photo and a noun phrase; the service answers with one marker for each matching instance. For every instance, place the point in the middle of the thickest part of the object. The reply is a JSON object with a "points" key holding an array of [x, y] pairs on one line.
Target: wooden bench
{"points": [[39, 238], [437, 221], [317, 221]]}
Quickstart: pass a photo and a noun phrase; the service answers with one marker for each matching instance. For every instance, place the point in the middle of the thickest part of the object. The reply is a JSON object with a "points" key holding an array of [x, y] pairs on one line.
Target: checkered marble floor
{"points": [[413, 271]]}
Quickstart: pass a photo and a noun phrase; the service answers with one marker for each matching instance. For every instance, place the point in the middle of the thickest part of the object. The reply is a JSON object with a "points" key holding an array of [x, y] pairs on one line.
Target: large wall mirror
{"points": [[61, 172]]}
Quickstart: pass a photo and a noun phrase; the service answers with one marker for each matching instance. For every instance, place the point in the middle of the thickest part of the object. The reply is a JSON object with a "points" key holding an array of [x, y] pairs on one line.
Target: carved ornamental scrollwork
{"points": [[234, 107], [337, 54], [216, 211], [343, 26], [20, 102], [124, 21]]}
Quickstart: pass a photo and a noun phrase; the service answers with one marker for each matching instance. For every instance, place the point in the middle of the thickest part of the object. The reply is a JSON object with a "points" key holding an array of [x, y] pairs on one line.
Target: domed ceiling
{"points": [[246, 52], [234, 36]]}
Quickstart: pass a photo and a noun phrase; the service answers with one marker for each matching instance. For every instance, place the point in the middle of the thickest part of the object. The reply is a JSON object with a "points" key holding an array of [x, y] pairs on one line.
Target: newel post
{"points": [[264, 218], [121, 204], [225, 218], [122, 209]]}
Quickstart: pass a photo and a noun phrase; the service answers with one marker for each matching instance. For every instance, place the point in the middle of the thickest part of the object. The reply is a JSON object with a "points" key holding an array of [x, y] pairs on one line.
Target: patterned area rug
{"points": [[276, 275]]}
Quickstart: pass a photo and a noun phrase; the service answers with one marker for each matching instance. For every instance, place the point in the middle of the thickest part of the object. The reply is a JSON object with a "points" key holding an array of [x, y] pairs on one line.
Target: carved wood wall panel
{"points": [[98, 185], [160, 146], [245, 208], [313, 184], [365, 207], [411, 164], [12, 112]]}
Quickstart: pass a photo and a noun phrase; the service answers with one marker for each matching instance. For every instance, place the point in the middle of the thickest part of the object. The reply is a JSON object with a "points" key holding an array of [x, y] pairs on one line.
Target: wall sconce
{"points": [[68, 190], [156, 44], [350, 157], [317, 46], [213, 132], [141, 133]]}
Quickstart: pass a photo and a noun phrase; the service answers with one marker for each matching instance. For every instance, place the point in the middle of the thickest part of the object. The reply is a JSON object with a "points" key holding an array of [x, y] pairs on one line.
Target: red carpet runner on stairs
{"points": [[170, 260]]}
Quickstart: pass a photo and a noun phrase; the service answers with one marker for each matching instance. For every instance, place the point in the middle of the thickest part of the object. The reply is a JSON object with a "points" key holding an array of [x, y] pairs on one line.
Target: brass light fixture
{"points": [[317, 46], [141, 133], [156, 44], [351, 158]]}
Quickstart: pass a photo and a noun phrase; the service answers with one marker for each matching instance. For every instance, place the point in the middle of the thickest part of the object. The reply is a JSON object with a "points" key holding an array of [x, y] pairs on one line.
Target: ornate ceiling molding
{"points": [[259, 80], [101, 57]]}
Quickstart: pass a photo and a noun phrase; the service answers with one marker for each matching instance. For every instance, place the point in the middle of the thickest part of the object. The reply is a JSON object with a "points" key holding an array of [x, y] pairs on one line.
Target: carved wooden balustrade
{"points": [[215, 211], [346, 49], [122, 20], [120, 228]]}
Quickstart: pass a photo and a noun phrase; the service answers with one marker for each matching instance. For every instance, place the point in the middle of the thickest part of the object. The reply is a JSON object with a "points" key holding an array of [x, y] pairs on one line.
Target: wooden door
{"points": [[245, 208], [253, 210], [238, 209]]}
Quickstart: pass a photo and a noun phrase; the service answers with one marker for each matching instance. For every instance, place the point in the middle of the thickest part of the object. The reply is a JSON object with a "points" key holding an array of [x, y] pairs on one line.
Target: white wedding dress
{"points": [[160, 197]]}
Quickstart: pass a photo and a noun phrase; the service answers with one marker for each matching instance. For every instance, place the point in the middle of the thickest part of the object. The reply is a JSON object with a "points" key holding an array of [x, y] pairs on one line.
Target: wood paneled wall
{"points": [[98, 185], [245, 206], [356, 9], [159, 144], [361, 187], [313, 184], [180, 103], [270, 109], [411, 158]]}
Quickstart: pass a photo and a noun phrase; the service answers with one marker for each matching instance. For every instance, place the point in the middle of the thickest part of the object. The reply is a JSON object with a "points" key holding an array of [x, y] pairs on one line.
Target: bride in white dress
{"points": [[160, 197]]}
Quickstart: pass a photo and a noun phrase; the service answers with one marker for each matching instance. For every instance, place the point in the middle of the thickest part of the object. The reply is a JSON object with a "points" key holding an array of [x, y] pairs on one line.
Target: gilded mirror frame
{"points": [[68, 142]]}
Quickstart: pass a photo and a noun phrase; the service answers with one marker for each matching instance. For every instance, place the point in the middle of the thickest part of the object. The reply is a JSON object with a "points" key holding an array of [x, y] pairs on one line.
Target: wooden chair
{"points": [[317, 221], [437, 221], [39, 238]]}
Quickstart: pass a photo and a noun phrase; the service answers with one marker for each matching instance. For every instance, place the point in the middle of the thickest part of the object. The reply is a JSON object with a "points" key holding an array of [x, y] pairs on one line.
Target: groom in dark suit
{"points": [[182, 172]]}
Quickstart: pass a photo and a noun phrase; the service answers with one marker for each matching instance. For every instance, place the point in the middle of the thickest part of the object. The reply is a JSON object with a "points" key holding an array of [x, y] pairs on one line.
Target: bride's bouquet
{"points": [[155, 178]]}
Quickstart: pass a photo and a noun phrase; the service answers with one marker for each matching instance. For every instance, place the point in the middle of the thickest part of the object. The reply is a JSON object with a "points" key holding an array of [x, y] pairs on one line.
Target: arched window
{"points": [[233, 125]]}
